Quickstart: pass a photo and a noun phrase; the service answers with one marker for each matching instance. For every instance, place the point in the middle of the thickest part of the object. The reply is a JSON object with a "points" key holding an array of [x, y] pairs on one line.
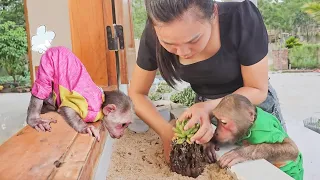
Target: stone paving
{"points": [[298, 93], [13, 111]]}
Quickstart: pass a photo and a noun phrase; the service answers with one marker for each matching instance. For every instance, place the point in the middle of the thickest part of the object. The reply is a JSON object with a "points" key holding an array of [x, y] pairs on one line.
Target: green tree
{"points": [[292, 42], [12, 10], [272, 15], [285, 15], [139, 16], [13, 49], [312, 9]]}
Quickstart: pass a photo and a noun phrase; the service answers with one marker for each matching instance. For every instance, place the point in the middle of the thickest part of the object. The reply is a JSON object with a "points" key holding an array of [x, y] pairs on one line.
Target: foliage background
{"points": [[298, 18], [13, 41]]}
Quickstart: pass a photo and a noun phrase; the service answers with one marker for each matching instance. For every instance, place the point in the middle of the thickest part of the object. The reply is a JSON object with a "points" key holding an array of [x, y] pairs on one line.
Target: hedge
{"points": [[306, 56]]}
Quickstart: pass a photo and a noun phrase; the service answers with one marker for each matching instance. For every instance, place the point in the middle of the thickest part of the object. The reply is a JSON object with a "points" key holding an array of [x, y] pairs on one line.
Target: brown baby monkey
{"points": [[63, 85], [117, 115], [259, 134]]}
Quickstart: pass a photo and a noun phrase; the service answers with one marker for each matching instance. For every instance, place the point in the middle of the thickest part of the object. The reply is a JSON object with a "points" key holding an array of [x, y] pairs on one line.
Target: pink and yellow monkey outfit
{"points": [[62, 73]]}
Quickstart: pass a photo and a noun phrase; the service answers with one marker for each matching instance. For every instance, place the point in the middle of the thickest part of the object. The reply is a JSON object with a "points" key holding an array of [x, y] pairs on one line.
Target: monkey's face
{"points": [[115, 121], [226, 131], [235, 115]]}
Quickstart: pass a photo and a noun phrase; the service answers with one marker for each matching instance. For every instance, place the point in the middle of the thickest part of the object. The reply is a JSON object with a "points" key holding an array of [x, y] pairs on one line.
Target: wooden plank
{"points": [[82, 158], [93, 158], [35, 71], [89, 39], [131, 43], [34, 153], [72, 164], [128, 55], [111, 60], [29, 41], [110, 88], [122, 52], [131, 49], [60, 154]]}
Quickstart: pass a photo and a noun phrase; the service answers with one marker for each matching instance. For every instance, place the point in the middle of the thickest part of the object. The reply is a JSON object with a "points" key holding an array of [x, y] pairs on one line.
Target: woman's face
{"points": [[186, 37]]}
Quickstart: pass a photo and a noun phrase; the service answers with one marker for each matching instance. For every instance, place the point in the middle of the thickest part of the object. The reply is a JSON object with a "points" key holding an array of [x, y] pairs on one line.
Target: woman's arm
{"points": [[255, 88], [138, 91], [255, 80], [252, 51], [255, 84]]}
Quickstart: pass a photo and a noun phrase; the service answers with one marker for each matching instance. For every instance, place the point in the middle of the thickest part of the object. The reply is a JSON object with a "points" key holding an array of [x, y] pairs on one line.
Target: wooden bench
{"points": [[60, 154]]}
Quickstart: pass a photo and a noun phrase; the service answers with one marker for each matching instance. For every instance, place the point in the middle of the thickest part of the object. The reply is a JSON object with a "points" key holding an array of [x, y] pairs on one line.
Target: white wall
{"points": [[45, 12]]}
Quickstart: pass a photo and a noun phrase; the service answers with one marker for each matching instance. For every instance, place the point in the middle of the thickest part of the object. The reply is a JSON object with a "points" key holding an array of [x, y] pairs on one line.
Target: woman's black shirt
{"points": [[244, 41]]}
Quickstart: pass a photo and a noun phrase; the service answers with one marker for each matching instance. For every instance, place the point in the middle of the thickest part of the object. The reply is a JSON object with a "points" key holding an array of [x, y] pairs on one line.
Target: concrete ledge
{"points": [[60, 154], [253, 170]]}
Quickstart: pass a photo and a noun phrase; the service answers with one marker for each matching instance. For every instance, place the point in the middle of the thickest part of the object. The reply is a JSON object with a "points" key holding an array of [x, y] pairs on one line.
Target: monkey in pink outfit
{"points": [[63, 84]]}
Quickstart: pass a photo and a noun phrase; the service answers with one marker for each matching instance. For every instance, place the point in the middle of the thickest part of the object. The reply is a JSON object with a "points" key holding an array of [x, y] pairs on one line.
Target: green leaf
{"points": [[13, 49], [185, 97]]}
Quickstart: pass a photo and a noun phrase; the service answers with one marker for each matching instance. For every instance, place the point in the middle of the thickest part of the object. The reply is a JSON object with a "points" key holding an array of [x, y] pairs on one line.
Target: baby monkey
{"points": [[258, 133], [63, 85]]}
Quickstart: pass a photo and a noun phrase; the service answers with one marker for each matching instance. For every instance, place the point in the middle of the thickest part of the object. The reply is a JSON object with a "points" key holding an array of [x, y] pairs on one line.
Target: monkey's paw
{"points": [[231, 158], [210, 150], [92, 131], [41, 124]]}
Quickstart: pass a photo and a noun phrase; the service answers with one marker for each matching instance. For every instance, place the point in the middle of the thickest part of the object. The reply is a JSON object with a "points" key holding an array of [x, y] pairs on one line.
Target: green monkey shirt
{"points": [[267, 129]]}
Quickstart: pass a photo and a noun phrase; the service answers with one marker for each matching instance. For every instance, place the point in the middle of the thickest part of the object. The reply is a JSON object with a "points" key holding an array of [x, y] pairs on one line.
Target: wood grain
{"points": [[111, 61], [93, 157], [60, 154], [29, 41], [35, 152], [35, 71], [89, 39], [130, 43], [110, 88], [122, 52]]}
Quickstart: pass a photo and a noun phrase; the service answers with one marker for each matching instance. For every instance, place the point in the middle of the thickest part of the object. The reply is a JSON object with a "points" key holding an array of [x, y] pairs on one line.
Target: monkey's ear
{"points": [[109, 108], [252, 116]]}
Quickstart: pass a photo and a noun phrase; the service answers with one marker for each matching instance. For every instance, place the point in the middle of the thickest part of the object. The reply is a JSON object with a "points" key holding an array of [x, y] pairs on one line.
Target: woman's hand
{"points": [[199, 113], [166, 141]]}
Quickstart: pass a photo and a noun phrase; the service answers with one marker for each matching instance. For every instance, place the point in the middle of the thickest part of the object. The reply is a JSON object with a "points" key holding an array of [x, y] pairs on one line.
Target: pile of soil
{"points": [[140, 156], [188, 159]]}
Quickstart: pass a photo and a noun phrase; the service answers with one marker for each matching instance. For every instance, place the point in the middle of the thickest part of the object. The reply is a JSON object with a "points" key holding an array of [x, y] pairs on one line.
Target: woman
{"points": [[219, 48]]}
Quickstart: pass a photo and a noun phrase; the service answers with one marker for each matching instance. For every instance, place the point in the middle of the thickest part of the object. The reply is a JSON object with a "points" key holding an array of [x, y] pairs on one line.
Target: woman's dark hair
{"points": [[166, 11]]}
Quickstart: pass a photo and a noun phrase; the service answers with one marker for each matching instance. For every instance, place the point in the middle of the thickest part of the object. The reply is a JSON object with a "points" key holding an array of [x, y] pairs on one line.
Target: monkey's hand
{"points": [[235, 156], [40, 124], [210, 150], [75, 121], [92, 131]]}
